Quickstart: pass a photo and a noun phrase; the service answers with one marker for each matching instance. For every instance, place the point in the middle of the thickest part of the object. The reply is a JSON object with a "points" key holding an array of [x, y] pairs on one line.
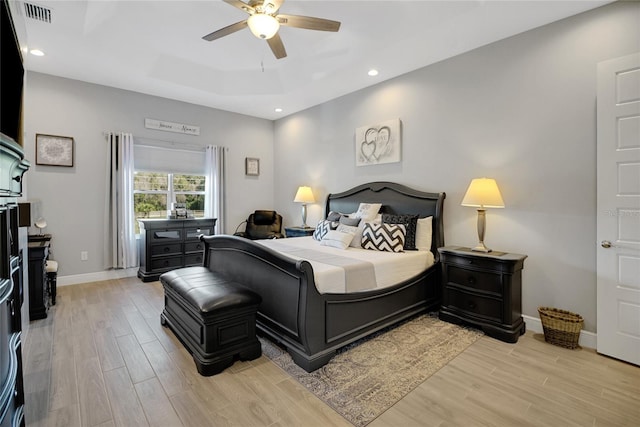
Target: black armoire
{"points": [[12, 168]]}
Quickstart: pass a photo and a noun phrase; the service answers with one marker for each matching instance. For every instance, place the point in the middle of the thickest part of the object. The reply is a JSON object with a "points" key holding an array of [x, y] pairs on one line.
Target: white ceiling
{"points": [[156, 47]]}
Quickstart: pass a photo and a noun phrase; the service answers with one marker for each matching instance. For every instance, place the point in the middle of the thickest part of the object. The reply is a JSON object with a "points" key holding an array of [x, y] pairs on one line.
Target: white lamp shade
{"points": [[483, 193], [304, 195], [263, 26]]}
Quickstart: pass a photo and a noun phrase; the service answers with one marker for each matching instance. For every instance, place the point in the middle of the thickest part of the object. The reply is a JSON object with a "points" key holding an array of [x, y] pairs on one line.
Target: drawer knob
{"points": [[166, 249], [471, 280], [471, 304]]}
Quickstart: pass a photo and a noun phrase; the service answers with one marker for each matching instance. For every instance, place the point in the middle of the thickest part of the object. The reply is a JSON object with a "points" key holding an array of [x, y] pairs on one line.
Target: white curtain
{"points": [[120, 238], [214, 185]]}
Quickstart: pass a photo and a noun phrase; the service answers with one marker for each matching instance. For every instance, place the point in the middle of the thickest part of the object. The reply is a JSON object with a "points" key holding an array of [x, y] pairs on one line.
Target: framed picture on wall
{"points": [[53, 150], [252, 166]]}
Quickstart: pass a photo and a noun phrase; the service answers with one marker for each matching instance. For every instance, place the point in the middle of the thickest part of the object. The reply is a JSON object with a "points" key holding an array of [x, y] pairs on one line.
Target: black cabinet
{"points": [[167, 244], [12, 168], [483, 290], [38, 289]]}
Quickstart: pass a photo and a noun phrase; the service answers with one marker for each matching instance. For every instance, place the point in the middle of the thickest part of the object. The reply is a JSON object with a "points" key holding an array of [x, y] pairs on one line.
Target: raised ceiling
{"points": [[156, 47]]}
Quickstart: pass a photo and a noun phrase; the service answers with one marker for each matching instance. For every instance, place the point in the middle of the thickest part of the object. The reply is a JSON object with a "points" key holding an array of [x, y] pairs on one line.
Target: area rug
{"points": [[369, 376]]}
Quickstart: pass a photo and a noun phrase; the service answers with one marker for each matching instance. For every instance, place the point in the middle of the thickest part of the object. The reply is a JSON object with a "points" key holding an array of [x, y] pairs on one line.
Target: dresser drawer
{"points": [[194, 233], [488, 308], [165, 235], [194, 259], [168, 249], [476, 279], [169, 262], [193, 247]]}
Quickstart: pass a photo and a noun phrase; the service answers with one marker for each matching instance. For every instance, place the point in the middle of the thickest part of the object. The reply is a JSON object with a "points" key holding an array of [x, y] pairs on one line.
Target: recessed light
{"points": [[372, 72], [278, 110], [36, 52]]}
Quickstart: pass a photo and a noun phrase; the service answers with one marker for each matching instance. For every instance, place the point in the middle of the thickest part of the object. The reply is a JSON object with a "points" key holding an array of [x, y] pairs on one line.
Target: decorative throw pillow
{"points": [[357, 234], [368, 211], [410, 222], [334, 216], [337, 239], [424, 230], [384, 237], [353, 222], [323, 228]]}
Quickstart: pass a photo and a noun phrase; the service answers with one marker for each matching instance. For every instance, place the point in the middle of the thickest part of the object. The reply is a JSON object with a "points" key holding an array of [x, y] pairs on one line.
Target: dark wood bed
{"points": [[312, 326]]}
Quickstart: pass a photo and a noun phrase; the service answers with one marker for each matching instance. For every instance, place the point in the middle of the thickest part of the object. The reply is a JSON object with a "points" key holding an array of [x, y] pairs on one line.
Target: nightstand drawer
{"points": [[475, 262], [476, 279], [488, 308]]}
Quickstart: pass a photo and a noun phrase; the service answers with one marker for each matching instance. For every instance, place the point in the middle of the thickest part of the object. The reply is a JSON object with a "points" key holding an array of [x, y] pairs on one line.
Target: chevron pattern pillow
{"points": [[323, 228], [384, 237]]}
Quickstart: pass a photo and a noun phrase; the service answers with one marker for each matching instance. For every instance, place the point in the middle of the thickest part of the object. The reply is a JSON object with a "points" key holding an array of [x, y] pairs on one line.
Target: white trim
{"points": [[98, 276], [587, 339]]}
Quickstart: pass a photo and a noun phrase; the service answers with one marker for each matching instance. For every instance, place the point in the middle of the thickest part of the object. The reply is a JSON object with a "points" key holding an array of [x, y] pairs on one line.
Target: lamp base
{"points": [[481, 248]]}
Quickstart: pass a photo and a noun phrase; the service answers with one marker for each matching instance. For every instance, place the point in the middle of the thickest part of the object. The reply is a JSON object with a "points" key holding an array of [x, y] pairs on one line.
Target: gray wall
{"points": [[521, 110], [73, 199]]}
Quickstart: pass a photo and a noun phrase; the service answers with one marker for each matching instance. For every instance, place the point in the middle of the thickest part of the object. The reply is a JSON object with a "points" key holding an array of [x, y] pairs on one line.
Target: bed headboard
{"points": [[396, 199]]}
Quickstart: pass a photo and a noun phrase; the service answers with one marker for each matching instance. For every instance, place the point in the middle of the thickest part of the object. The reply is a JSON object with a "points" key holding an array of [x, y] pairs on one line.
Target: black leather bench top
{"points": [[207, 290]]}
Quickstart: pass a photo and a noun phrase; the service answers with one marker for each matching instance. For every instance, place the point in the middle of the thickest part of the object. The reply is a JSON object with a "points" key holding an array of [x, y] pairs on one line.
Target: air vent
{"points": [[38, 13]]}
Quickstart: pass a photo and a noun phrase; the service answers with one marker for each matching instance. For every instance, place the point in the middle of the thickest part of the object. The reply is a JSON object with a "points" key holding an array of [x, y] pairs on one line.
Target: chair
{"points": [[262, 224]]}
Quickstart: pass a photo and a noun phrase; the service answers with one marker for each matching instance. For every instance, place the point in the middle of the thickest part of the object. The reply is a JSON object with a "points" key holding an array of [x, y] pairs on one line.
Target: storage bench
{"points": [[213, 317]]}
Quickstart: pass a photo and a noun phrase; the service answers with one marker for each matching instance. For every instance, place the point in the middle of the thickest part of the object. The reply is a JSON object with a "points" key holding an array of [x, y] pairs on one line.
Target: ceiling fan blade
{"points": [[241, 5], [272, 6], [308, 22], [275, 43], [226, 31]]}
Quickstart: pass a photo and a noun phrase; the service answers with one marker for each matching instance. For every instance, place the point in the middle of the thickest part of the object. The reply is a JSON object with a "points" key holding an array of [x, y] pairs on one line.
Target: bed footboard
{"points": [[312, 326]]}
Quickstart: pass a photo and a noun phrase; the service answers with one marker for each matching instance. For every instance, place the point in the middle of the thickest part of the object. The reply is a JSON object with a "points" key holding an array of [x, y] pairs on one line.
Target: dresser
{"points": [[12, 168], [167, 244], [483, 290]]}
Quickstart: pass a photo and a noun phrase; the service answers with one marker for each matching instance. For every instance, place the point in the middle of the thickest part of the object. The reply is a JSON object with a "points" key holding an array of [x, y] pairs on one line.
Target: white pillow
{"points": [[337, 239], [424, 230], [357, 234], [368, 211]]}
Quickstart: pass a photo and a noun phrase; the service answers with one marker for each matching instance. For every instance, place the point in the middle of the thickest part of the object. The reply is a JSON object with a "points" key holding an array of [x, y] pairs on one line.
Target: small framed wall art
{"points": [[252, 166], [53, 150]]}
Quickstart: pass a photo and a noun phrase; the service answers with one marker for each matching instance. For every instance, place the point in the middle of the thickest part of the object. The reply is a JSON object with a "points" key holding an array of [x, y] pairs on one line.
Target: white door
{"points": [[618, 253]]}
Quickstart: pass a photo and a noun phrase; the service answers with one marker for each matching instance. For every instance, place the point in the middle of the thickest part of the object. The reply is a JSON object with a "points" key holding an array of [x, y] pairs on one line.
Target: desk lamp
{"points": [[482, 193]]}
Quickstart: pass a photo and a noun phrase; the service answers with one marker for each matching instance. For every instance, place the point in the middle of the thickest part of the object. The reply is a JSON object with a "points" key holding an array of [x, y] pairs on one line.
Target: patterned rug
{"points": [[369, 376]]}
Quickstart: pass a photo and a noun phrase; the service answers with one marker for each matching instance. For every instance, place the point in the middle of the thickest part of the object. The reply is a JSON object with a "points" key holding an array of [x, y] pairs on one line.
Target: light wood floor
{"points": [[101, 358]]}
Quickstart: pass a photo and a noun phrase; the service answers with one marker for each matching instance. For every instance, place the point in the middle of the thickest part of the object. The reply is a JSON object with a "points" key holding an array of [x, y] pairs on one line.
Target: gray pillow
{"points": [[353, 222]]}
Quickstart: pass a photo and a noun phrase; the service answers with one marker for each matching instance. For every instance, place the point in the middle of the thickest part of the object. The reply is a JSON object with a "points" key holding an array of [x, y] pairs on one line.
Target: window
{"points": [[153, 193]]}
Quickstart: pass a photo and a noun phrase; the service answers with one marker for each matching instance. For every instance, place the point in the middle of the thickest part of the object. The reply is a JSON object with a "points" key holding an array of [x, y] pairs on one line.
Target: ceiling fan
{"points": [[264, 22]]}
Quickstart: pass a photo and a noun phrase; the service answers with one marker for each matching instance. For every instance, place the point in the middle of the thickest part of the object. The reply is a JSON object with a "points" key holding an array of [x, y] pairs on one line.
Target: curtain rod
{"points": [[174, 145]]}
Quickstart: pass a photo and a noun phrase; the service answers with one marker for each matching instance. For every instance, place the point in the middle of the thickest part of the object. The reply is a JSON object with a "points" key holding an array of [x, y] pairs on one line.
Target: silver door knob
{"points": [[606, 244]]}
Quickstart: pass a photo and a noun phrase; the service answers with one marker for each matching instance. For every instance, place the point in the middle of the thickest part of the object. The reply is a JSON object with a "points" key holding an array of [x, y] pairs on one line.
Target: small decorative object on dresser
{"points": [[298, 231], [484, 290]]}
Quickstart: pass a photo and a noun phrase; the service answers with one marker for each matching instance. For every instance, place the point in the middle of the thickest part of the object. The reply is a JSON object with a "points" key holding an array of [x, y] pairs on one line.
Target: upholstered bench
{"points": [[213, 317]]}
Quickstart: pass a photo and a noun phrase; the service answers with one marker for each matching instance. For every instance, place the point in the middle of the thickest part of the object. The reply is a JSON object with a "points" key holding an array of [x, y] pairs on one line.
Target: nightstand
{"points": [[484, 290], [298, 231]]}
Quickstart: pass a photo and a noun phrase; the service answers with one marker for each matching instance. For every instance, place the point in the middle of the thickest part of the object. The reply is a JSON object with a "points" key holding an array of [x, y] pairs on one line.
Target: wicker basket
{"points": [[561, 327]]}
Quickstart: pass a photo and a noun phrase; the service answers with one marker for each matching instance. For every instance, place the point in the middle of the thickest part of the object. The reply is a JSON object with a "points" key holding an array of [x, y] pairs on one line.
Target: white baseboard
{"points": [[96, 277], [587, 339]]}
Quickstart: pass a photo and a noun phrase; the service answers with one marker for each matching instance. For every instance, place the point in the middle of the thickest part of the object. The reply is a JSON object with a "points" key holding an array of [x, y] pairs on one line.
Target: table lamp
{"points": [[482, 193], [40, 224], [304, 196]]}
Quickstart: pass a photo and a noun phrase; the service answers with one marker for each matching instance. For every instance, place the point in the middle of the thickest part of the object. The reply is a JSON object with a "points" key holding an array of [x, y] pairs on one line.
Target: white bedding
{"points": [[390, 268]]}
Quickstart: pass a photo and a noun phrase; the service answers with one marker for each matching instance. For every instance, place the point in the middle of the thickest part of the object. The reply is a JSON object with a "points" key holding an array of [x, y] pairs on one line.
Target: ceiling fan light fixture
{"points": [[263, 26]]}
